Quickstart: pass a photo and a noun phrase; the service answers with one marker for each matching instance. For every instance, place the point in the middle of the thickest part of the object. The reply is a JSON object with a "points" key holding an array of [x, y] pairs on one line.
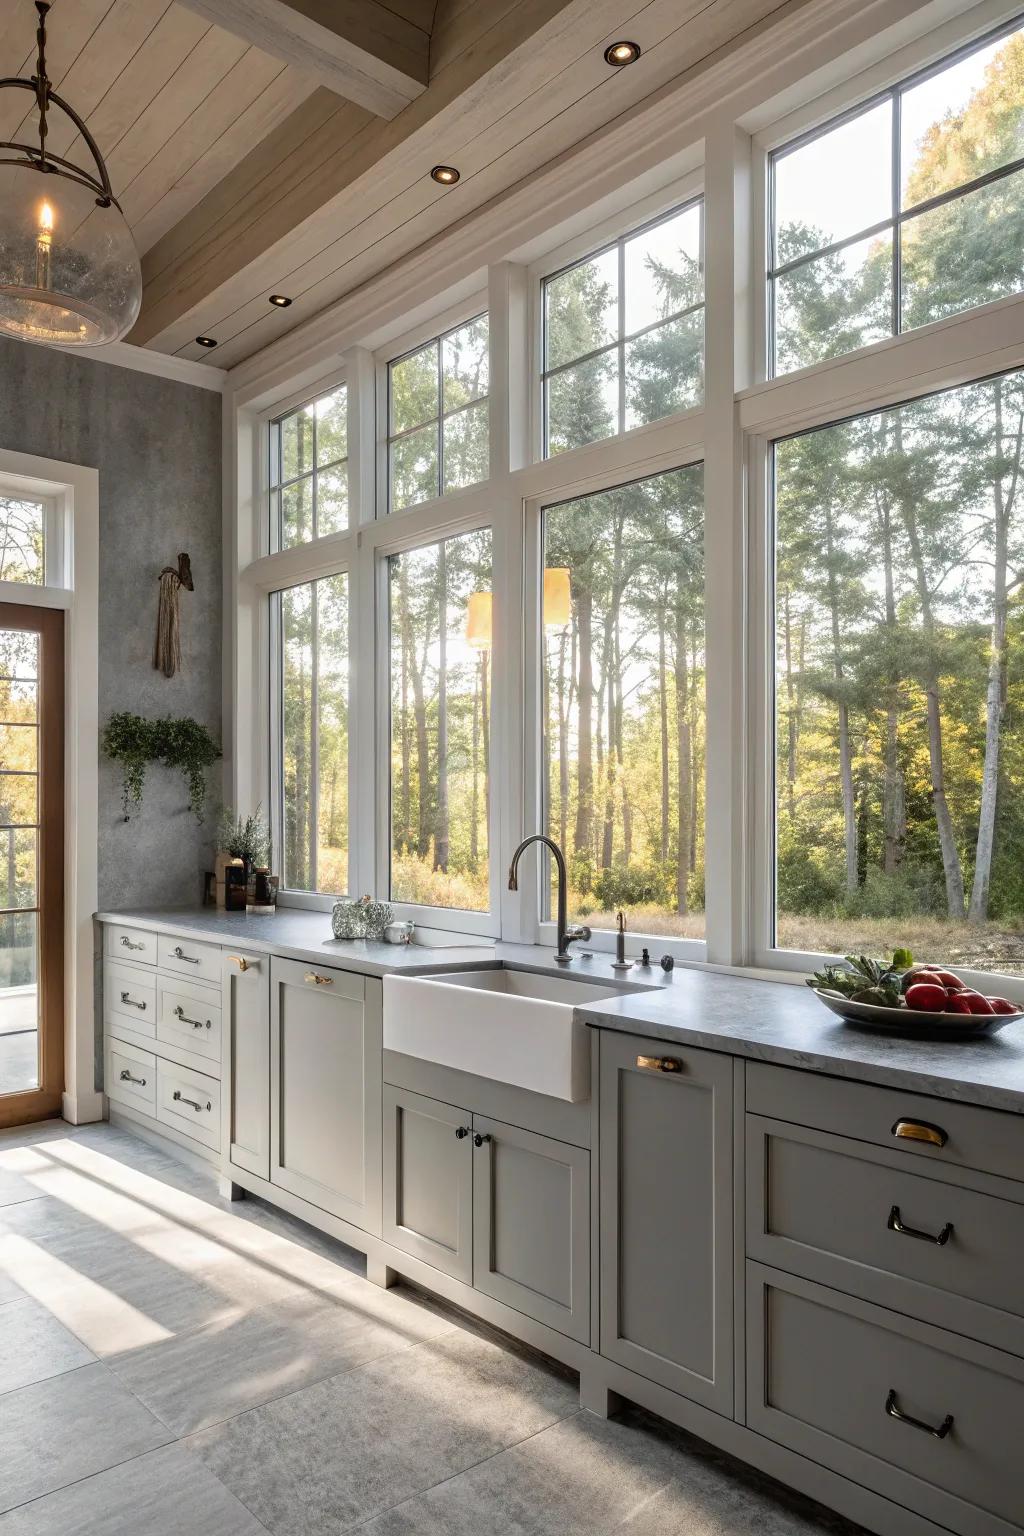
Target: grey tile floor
{"points": [[172, 1365]]}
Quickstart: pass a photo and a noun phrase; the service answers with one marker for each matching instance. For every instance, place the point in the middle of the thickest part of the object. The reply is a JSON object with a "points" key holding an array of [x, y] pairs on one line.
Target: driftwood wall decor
{"points": [[167, 652]]}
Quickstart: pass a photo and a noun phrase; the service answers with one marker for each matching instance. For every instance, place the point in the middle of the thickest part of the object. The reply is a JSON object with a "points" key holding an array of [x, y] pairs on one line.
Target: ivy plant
{"points": [[182, 743]]}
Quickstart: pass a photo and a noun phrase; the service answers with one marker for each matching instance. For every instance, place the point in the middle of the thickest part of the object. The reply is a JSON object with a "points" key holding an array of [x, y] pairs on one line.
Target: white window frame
{"points": [[268, 423], [56, 547]]}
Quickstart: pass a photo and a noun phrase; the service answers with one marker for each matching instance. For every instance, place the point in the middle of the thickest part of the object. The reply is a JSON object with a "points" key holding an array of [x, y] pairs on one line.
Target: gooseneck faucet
{"points": [[566, 935]]}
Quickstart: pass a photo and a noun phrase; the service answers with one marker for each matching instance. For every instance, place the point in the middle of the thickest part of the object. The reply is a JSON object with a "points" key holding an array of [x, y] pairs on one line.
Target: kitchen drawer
{"points": [[923, 1417], [970, 1136], [189, 957], [132, 994], [130, 944], [131, 1076], [189, 1101], [188, 1016], [832, 1209]]}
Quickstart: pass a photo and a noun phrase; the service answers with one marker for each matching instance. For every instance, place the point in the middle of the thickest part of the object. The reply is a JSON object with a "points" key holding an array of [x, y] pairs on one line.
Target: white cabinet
{"points": [[245, 1009]]}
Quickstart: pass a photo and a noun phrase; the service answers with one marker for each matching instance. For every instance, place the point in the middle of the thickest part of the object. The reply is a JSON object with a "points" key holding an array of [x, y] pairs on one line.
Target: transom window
{"points": [[438, 438], [623, 340], [309, 471], [22, 539], [906, 210]]}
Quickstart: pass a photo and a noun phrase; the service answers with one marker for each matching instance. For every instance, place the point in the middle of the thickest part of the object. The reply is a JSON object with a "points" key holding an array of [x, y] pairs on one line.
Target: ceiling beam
{"points": [[360, 49]]}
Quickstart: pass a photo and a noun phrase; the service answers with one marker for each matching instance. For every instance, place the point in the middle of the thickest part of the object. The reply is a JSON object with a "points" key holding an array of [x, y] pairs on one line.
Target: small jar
{"points": [[236, 883], [378, 915], [262, 897], [348, 920]]}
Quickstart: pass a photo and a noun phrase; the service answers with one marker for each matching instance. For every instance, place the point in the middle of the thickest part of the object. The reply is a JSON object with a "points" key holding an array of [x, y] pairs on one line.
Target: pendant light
{"points": [[69, 270]]}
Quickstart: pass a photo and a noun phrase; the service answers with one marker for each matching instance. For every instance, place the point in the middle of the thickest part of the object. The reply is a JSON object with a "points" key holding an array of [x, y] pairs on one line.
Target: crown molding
{"points": [[122, 354]]}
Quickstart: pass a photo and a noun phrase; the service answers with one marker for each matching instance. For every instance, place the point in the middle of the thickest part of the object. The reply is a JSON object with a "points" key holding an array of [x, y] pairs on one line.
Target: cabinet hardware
{"points": [[318, 980], [940, 1431], [126, 1077], [179, 1098], [659, 1063], [179, 954], [240, 961], [920, 1130], [461, 1132], [126, 997], [478, 1139], [127, 943], [895, 1224], [179, 1013]]}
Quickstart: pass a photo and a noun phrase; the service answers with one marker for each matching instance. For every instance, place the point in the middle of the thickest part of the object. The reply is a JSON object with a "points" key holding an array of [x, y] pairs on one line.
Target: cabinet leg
{"points": [[596, 1397], [380, 1273], [228, 1189]]}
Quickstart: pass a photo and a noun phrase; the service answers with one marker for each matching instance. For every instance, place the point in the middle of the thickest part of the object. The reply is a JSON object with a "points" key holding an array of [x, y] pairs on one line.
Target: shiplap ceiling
{"points": [[243, 174]]}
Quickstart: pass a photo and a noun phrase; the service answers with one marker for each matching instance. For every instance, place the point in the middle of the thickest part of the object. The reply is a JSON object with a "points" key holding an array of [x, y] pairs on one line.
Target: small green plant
{"points": [[245, 838], [181, 743]]}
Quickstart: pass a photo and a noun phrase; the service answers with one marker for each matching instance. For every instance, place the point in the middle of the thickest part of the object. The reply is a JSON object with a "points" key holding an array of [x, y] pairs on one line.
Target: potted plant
{"points": [[245, 845]]}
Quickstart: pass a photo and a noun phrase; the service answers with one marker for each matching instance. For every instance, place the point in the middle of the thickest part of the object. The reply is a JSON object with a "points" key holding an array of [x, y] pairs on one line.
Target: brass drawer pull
{"points": [[659, 1063], [179, 954], [179, 1098], [895, 1224], [126, 997], [126, 1077], [240, 961], [179, 1013], [318, 980], [127, 943], [940, 1431], [920, 1130]]}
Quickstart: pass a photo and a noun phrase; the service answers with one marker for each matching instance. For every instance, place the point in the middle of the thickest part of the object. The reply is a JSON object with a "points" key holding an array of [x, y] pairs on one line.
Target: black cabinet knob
{"points": [[461, 1132], [479, 1140]]}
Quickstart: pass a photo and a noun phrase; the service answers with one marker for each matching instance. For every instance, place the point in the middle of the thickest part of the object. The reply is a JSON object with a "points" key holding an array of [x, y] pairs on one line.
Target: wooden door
{"points": [[31, 862]]}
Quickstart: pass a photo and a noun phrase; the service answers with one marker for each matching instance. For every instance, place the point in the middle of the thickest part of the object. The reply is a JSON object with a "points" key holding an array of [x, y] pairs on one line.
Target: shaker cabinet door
{"points": [[428, 1181], [245, 1099]]}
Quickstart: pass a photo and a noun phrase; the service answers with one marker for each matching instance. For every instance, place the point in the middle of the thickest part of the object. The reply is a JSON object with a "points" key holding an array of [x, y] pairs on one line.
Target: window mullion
{"points": [[622, 335], [314, 733], [897, 227]]}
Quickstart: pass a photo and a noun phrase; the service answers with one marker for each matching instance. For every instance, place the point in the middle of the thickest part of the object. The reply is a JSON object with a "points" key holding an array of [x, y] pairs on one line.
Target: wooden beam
{"points": [[360, 49]]}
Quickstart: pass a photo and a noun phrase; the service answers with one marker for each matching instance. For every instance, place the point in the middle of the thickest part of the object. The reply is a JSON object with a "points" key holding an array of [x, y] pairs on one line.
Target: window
{"points": [[899, 692], [438, 439], [312, 734], [22, 524], [624, 333], [309, 471], [905, 211], [623, 700], [440, 723]]}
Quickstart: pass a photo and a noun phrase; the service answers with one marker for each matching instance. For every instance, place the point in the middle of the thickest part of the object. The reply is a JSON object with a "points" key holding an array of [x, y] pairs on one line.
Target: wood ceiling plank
{"points": [[360, 49], [420, 12]]}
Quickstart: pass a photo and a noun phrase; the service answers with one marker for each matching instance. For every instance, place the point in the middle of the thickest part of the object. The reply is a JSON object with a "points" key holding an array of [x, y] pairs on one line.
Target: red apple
{"points": [[976, 1003], [1003, 1005], [957, 1003], [927, 996]]}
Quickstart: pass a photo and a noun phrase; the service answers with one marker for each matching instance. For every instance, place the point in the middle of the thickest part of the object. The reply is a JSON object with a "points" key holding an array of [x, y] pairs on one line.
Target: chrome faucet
{"points": [[566, 935]]}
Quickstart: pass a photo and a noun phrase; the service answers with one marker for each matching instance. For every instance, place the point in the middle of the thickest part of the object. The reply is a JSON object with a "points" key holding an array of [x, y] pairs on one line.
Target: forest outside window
{"points": [[899, 693], [623, 701], [623, 340], [311, 825], [906, 211], [440, 655], [22, 538], [309, 471], [438, 437]]}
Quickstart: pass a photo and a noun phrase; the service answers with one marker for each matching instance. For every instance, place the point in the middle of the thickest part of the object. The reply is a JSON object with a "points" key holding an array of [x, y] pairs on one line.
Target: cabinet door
{"points": [[531, 1225], [325, 1089], [245, 1025], [428, 1181], [666, 1215]]}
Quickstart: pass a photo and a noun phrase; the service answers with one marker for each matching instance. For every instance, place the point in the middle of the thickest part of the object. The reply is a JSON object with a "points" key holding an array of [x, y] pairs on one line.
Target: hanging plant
{"points": [[184, 744]]}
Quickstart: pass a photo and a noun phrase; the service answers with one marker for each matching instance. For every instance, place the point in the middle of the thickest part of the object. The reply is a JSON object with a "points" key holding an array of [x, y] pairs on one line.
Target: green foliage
{"points": [[180, 743], [246, 838], [626, 885], [864, 979]]}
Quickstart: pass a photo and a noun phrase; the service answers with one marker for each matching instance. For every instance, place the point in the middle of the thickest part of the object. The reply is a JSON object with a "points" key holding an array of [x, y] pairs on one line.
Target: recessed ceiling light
{"points": [[205, 341], [280, 300], [447, 175], [622, 53]]}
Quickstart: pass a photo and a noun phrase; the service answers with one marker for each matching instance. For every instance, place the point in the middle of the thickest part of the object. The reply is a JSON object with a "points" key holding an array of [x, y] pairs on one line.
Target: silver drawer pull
{"points": [[126, 1077], [895, 1224], [127, 943], [318, 980], [179, 954], [127, 998], [179, 1098], [179, 1013], [940, 1431]]}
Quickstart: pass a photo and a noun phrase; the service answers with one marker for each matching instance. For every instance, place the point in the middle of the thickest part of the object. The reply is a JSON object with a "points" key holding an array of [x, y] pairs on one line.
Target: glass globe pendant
{"points": [[69, 270]]}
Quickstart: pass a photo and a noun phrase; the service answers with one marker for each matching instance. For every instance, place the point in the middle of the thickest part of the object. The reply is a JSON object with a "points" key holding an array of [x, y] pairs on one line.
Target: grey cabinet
{"points": [[667, 1214], [325, 1089], [428, 1181], [245, 1016]]}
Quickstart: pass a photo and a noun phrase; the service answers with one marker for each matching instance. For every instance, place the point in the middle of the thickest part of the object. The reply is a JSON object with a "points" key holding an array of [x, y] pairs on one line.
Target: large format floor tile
{"points": [[57, 1431], [335, 1454], [34, 1346]]}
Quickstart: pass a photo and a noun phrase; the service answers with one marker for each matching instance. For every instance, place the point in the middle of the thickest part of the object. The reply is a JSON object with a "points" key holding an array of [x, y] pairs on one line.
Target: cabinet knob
{"points": [[920, 1130], [659, 1063], [480, 1138], [461, 1132]]}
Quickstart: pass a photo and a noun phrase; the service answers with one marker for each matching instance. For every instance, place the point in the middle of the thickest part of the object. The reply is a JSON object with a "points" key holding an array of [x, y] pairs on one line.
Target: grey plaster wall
{"points": [[157, 446]]}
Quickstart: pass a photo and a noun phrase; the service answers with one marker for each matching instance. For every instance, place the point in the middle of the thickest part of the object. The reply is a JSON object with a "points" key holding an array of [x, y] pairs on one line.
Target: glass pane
{"points": [[965, 121], [664, 272], [19, 663], [297, 734], [440, 723], [332, 734], [19, 1003], [18, 867], [414, 468], [466, 447], [967, 252], [18, 804], [413, 389], [623, 702], [834, 304], [581, 309], [834, 186], [464, 364], [332, 427], [296, 454], [21, 540], [18, 746], [899, 682], [583, 403], [665, 370], [297, 513], [332, 500]]}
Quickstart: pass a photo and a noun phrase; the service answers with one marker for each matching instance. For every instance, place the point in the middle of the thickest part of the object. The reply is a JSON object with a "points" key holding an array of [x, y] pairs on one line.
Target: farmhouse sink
{"points": [[510, 1026]]}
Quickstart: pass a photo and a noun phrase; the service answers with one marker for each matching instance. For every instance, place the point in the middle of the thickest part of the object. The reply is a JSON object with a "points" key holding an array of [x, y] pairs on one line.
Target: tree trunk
{"points": [[583, 601], [563, 746], [683, 764], [474, 822], [845, 749], [663, 722], [442, 826], [790, 708], [405, 840]]}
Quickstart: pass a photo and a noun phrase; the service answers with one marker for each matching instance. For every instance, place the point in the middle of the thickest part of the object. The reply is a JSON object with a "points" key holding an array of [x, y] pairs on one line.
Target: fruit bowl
{"points": [[916, 1021]]}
